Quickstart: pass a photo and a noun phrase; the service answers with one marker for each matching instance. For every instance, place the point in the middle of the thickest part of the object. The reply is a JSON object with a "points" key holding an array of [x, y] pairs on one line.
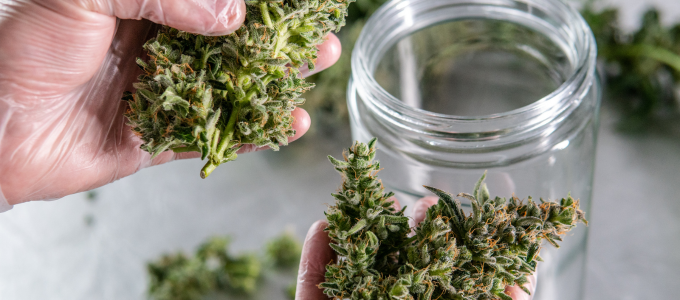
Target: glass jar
{"points": [[452, 88]]}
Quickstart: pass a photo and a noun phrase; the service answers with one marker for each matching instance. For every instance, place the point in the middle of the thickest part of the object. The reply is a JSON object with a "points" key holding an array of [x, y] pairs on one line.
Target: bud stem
{"points": [[215, 158]]}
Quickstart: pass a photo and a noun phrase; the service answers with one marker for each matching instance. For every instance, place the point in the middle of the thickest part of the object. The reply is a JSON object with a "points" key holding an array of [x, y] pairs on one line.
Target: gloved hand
{"points": [[64, 65], [316, 254]]}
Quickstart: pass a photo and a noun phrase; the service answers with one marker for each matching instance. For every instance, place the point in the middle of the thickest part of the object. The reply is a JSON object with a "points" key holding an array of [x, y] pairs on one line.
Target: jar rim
{"points": [[577, 42]]}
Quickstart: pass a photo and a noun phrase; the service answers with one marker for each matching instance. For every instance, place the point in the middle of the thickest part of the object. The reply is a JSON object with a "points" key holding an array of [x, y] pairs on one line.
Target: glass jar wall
{"points": [[452, 88]]}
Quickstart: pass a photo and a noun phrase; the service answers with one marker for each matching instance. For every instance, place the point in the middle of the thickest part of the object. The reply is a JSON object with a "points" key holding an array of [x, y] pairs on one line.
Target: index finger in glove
{"points": [[207, 17], [329, 53]]}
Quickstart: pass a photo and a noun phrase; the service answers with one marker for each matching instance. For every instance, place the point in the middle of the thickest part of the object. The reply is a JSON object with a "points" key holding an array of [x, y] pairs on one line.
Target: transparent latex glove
{"points": [[316, 254], [64, 65]]}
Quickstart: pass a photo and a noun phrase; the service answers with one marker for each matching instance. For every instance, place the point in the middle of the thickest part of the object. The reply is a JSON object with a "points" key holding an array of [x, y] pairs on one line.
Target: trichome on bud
{"points": [[452, 255]]}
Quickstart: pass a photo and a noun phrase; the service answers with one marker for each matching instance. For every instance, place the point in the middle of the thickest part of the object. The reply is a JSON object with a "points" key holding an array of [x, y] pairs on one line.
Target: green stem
{"points": [[302, 29], [268, 78], [215, 158], [251, 92], [265, 15], [192, 148], [207, 169], [281, 41], [657, 53], [204, 58], [229, 131]]}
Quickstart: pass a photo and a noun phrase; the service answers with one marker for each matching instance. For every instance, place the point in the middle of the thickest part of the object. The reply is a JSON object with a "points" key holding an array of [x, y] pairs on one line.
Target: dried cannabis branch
{"points": [[215, 94], [451, 255]]}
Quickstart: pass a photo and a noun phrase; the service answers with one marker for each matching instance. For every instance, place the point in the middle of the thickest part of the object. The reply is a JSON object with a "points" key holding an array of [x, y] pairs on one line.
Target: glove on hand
{"points": [[64, 65]]}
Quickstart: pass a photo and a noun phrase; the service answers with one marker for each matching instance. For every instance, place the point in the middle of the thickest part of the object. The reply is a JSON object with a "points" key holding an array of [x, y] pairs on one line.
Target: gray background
{"points": [[75, 248]]}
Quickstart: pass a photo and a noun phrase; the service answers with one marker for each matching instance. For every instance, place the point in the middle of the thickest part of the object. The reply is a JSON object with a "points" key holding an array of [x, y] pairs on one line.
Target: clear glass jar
{"points": [[452, 88]]}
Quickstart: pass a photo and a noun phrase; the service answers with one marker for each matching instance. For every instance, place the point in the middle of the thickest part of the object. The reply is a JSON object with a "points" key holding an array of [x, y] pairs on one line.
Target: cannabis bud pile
{"points": [[451, 256], [215, 94]]}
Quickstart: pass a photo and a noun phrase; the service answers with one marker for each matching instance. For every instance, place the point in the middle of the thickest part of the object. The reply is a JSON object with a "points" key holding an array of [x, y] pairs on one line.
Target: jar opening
{"points": [[547, 33], [472, 67]]}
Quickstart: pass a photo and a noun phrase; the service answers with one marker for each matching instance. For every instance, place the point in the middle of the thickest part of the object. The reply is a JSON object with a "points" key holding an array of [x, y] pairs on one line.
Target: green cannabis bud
{"points": [[213, 271], [284, 251], [213, 268], [451, 256], [215, 94]]}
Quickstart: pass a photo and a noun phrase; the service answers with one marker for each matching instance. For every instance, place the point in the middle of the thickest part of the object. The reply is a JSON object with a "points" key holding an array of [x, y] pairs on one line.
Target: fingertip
{"points": [[516, 293], [421, 206], [317, 226], [229, 19], [395, 203], [328, 54], [428, 201], [317, 240], [301, 124]]}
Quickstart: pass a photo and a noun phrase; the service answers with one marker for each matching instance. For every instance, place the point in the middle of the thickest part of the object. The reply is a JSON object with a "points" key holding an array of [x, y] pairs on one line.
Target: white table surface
{"points": [[74, 248]]}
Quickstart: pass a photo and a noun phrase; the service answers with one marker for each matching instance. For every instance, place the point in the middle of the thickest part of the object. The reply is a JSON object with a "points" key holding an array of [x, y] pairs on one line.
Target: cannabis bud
{"points": [[213, 268], [284, 251], [215, 94], [451, 256]]}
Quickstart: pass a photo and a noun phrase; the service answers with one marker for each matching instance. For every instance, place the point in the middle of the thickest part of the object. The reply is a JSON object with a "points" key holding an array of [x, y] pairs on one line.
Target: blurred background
{"points": [[96, 245]]}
